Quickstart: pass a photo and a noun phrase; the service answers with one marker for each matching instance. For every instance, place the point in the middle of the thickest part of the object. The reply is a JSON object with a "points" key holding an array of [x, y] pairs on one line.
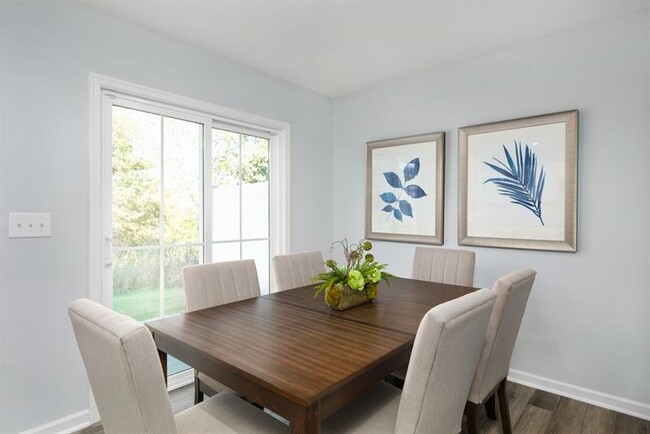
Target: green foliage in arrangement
{"points": [[361, 272]]}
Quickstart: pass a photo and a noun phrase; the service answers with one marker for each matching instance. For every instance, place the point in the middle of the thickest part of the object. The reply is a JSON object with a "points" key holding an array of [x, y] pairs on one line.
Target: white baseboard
{"points": [[81, 419], [600, 399], [68, 424]]}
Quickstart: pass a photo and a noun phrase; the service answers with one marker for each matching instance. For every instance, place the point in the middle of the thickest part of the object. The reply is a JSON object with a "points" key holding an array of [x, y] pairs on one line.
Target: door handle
{"points": [[108, 251]]}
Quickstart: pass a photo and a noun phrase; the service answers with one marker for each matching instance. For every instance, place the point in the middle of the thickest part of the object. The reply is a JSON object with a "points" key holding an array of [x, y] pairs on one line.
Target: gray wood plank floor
{"points": [[531, 412]]}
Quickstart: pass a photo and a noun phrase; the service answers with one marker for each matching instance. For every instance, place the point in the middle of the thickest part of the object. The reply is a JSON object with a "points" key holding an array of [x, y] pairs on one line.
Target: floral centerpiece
{"points": [[356, 282]]}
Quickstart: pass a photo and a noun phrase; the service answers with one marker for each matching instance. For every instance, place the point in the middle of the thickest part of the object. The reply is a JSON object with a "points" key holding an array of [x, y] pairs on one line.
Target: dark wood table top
{"points": [[298, 353], [400, 306], [290, 352]]}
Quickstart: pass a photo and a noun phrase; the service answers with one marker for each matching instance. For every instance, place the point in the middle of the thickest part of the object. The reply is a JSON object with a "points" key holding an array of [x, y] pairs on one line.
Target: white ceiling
{"points": [[338, 47]]}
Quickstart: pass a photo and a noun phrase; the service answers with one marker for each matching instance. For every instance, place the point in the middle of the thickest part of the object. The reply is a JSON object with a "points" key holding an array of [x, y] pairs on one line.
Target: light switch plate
{"points": [[30, 225]]}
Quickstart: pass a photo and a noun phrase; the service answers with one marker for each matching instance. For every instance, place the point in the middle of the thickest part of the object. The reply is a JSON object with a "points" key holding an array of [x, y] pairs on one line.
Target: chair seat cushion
{"points": [[373, 412], [212, 383], [225, 413]]}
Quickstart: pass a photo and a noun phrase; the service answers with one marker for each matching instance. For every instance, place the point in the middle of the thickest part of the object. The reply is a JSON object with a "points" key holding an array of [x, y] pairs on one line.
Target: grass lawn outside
{"points": [[144, 304]]}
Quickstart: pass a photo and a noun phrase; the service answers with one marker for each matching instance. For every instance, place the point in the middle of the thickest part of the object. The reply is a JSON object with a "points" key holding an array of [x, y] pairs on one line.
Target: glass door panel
{"points": [[255, 187], [226, 203], [183, 190], [157, 211], [240, 200], [136, 178]]}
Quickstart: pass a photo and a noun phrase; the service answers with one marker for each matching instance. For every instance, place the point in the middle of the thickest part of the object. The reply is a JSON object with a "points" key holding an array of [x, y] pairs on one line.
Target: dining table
{"points": [[290, 353]]}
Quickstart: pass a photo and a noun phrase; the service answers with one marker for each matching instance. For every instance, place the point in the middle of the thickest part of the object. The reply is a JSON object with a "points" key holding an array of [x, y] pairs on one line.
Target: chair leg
{"points": [[198, 395], [503, 408], [472, 417], [491, 407]]}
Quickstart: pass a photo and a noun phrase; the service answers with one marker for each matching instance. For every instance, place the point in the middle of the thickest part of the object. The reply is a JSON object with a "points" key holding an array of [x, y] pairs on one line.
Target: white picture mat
{"points": [[394, 159], [492, 215]]}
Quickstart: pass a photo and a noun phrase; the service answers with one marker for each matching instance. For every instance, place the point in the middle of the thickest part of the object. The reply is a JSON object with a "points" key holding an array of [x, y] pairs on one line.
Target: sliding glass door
{"points": [[183, 190]]}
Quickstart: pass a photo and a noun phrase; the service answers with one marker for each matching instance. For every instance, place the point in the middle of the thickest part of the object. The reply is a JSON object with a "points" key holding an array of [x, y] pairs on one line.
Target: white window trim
{"points": [[278, 131]]}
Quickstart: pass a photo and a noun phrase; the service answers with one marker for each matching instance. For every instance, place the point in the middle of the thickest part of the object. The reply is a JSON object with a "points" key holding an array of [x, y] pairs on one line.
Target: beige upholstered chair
{"points": [[445, 352], [512, 293], [297, 269], [455, 267], [126, 378], [209, 285]]}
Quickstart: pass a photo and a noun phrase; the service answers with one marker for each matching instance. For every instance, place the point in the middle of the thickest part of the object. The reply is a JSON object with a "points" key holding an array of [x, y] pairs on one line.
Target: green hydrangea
{"points": [[375, 276], [355, 280]]}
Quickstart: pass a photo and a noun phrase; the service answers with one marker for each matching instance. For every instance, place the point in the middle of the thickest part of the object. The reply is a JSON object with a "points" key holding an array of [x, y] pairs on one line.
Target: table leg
{"points": [[163, 363], [306, 420]]}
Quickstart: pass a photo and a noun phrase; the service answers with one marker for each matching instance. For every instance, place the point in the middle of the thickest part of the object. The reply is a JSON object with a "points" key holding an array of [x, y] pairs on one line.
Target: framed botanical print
{"points": [[518, 183], [405, 189]]}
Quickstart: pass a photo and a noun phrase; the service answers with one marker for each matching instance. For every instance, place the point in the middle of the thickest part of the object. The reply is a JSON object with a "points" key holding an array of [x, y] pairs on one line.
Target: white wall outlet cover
{"points": [[30, 225]]}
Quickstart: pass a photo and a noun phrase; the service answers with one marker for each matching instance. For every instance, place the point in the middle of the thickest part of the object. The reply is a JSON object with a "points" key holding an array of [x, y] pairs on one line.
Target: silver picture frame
{"points": [[400, 195], [513, 165]]}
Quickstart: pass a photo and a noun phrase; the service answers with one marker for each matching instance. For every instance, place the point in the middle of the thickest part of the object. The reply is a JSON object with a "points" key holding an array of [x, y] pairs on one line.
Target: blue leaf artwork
{"points": [[388, 197], [414, 191], [520, 181], [398, 207], [411, 169], [405, 207], [393, 180]]}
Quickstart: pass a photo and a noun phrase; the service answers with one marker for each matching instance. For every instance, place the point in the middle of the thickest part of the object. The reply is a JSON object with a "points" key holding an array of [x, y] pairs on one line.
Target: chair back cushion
{"points": [[512, 293], [445, 352], [214, 284], [454, 267], [123, 368], [297, 269]]}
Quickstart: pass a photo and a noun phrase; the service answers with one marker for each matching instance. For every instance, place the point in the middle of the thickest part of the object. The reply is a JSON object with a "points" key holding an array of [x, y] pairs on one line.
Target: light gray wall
{"points": [[47, 51], [587, 321]]}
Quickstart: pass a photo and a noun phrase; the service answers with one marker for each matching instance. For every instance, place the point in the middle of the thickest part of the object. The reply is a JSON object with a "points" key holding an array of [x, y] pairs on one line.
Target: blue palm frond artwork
{"points": [[396, 206], [520, 181]]}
